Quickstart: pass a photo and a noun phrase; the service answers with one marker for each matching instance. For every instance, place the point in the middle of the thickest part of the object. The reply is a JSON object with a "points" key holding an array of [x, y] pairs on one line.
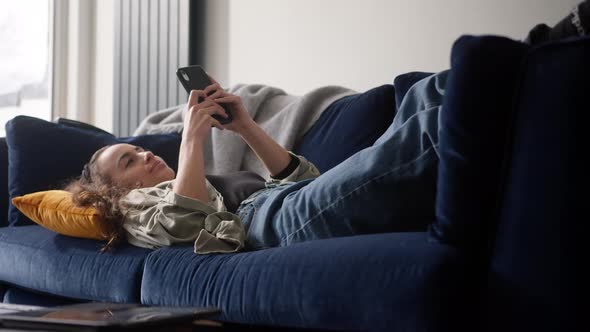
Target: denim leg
{"points": [[387, 187], [425, 94]]}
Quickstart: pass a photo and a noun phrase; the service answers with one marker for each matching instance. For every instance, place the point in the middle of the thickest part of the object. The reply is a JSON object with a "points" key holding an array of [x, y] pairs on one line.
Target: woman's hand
{"points": [[198, 119], [274, 157], [241, 119]]}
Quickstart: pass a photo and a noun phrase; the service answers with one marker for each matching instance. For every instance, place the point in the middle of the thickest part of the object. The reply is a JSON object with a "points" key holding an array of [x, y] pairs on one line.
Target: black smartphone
{"points": [[195, 78]]}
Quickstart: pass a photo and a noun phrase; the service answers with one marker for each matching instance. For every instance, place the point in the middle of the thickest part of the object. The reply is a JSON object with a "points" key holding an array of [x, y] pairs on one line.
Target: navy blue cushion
{"points": [[39, 259], [379, 282], [473, 128], [15, 295], [3, 182], [45, 155], [348, 125], [534, 271]]}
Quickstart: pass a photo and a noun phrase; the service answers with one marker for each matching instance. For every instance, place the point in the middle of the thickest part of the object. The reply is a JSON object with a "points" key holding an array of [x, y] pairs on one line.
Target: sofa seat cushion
{"points": [[393, 281], [16, 295], [39, 259]]}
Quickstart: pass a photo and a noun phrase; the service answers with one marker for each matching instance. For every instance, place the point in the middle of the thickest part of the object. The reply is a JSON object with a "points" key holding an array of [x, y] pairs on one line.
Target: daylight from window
{"points": [[24, 59]]}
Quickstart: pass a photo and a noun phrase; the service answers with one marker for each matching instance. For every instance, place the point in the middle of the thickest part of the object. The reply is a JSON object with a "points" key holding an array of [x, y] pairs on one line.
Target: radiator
{"points": [[151, 42]]}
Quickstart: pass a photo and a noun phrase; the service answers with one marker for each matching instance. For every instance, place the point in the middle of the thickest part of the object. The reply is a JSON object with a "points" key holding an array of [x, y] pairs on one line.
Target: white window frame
{"points": [[72, 74], [58, 54]]}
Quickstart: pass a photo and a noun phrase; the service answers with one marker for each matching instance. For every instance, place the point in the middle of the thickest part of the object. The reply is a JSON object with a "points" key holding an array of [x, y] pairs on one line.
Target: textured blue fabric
{"points": [[348, 125], [534, 260], [388, 187], [404, 82], [380, 282], [45, 155], [3, 182], [479, 97], [15, 295], [39, 259]]}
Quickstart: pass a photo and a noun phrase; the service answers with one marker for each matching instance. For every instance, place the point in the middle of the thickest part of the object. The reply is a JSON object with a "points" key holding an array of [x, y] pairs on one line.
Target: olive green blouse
{"points": [[158, 217]]}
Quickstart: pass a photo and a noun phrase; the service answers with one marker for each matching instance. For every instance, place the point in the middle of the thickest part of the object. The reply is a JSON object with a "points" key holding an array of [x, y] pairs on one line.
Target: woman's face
{"points": [[133, 167]]}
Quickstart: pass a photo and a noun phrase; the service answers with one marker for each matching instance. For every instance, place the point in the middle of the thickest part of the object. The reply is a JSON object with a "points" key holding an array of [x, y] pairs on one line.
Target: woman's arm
{"points": [[190, 179], [274, 157]]}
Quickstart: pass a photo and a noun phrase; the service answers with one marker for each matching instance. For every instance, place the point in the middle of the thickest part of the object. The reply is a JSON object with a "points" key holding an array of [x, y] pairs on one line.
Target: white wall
{"points": [[301, 44], [84, 61], [78, 80], [216, 45], [104, 64]]}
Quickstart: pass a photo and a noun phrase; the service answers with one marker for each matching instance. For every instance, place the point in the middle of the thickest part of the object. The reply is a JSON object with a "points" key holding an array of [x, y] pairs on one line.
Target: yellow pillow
{"points": [[54, 210]]}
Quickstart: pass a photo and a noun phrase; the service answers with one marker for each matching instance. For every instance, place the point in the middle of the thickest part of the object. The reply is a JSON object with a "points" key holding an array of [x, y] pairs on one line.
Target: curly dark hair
{"points": [[95, 189]]}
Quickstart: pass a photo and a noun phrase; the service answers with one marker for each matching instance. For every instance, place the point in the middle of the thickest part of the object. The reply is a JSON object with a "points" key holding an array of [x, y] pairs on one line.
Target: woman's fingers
{"points": [[212, 88], [214, 110], [206, 109], [196, 97], [206, 103], [209, 108], [216, 124], [217, 94], [205, 115], [193, 98], [226, 99]]}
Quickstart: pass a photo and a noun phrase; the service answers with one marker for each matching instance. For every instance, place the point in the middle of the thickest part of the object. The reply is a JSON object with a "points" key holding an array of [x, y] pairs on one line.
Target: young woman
{"points": [[378, 189], [389, 186]]}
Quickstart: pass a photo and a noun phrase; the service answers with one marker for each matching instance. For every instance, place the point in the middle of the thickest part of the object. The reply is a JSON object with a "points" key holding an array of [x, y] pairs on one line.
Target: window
{"points": [[25, 53]]}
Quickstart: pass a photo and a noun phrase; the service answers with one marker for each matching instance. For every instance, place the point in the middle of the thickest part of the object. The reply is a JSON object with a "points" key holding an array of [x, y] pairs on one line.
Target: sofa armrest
{"points": [[530, 263]]}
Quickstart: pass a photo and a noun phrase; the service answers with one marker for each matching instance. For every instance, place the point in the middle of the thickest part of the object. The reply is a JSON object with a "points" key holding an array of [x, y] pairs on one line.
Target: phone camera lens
{"points": [[184, 75]]}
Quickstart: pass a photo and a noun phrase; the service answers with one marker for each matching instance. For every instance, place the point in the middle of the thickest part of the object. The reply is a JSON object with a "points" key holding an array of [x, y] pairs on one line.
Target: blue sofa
{"points": [[491, 259]]}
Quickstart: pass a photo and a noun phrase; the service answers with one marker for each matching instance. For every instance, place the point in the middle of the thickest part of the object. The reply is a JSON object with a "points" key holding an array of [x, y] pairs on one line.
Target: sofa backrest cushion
{"points": [[347, 126], [536, 251], [44, 155], [3, 182], [473, 127]]}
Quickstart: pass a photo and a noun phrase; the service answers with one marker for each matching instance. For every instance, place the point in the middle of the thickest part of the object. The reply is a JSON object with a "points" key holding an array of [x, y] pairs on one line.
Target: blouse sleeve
{"points": [[159, 217], [305, 170]]}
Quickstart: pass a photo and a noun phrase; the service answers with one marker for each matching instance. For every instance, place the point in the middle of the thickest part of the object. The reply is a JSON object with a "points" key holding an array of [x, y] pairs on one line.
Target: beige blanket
{"points": [[284, 117]]}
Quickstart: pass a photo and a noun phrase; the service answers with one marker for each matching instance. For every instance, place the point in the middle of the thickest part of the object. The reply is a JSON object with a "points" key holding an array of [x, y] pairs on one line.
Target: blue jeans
{"points": [[387, 187]]}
